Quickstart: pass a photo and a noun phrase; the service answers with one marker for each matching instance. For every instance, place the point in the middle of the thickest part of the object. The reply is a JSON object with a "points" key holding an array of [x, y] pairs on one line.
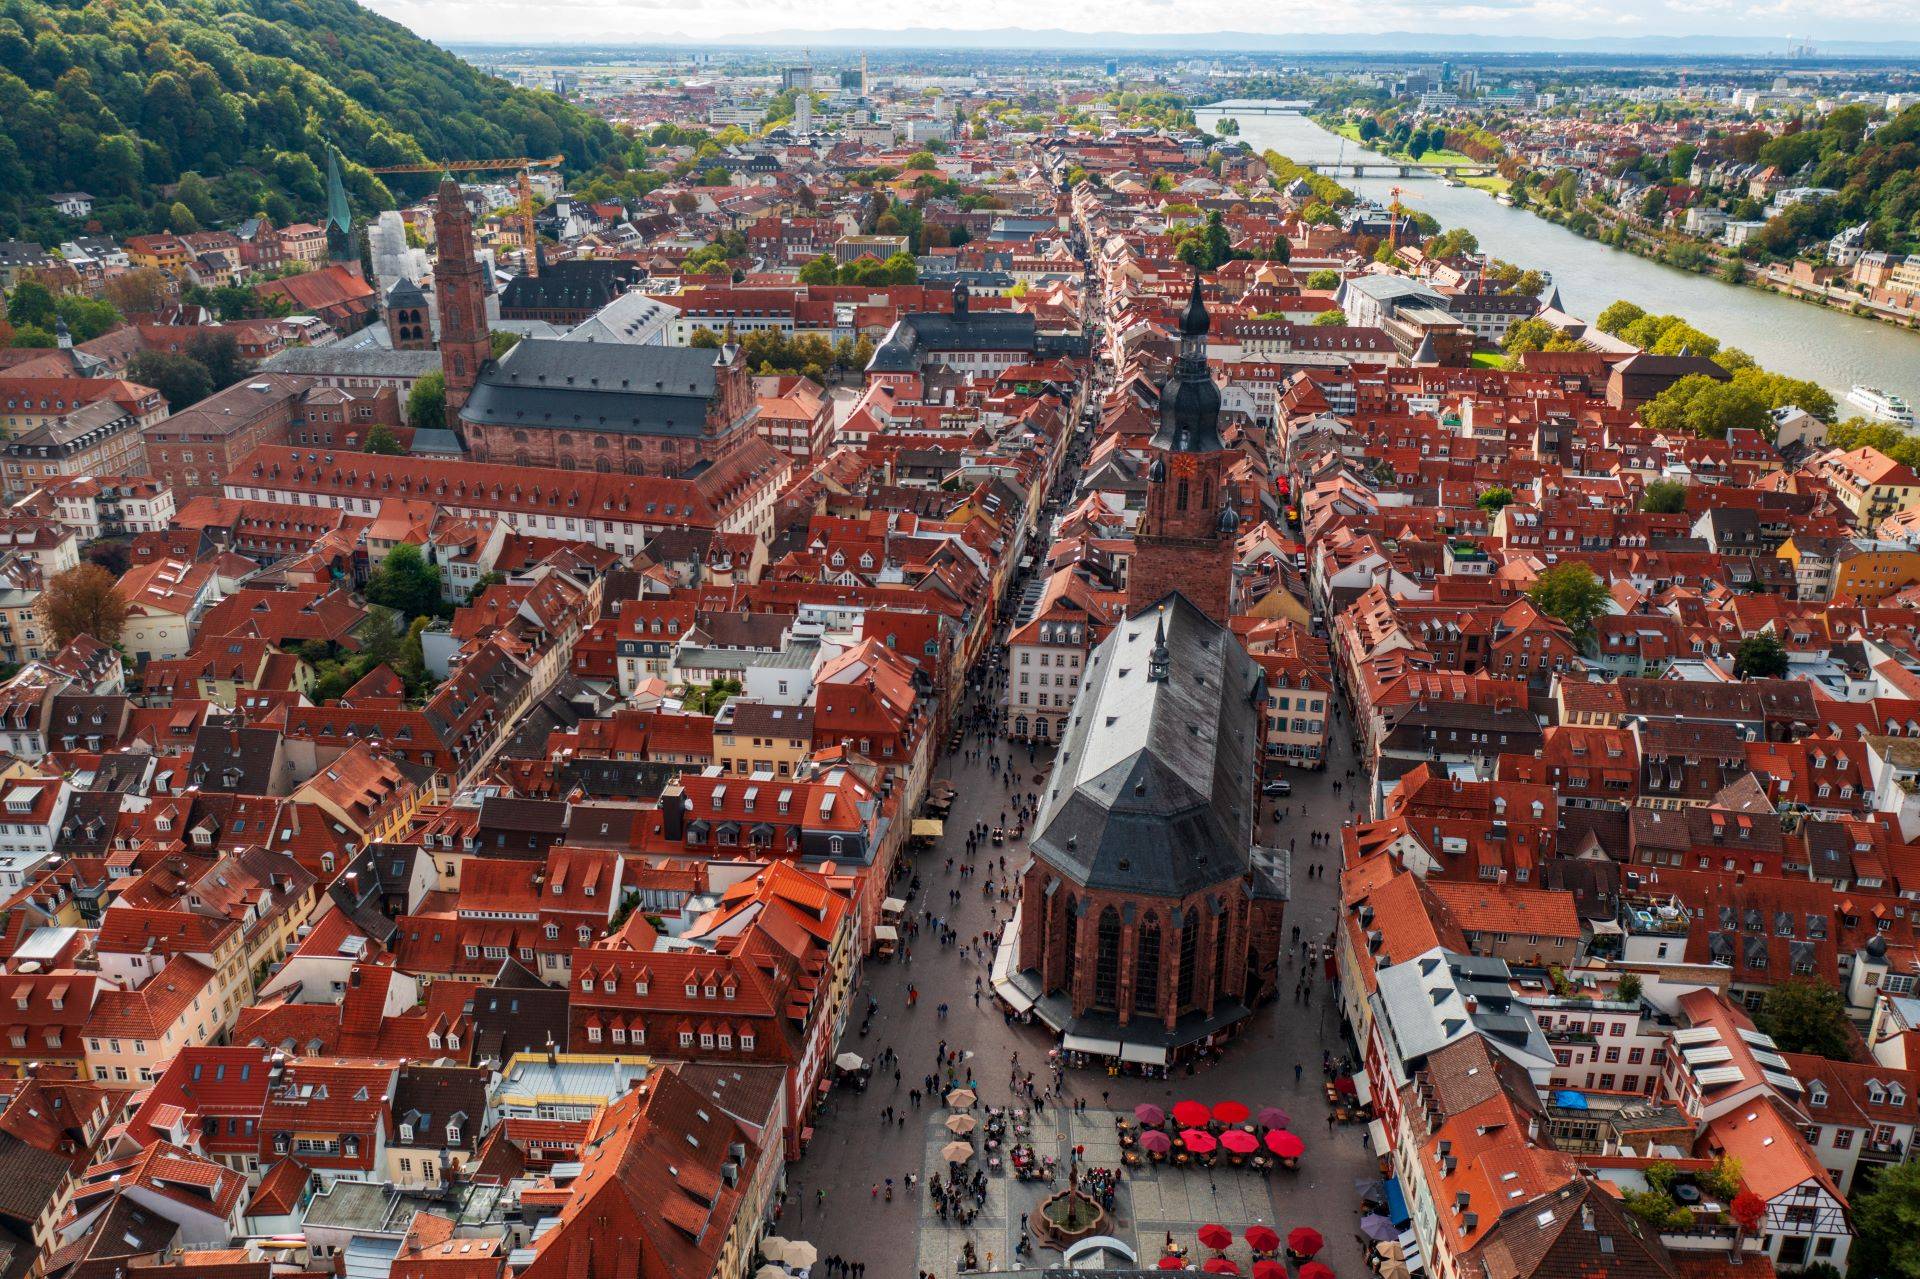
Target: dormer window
{"points": [[406, 1130], [453, 1134]]}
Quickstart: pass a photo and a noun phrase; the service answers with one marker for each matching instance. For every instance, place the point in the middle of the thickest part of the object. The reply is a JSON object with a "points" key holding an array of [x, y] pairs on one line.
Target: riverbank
{"points": [[1598, 222], [1831, 347]]}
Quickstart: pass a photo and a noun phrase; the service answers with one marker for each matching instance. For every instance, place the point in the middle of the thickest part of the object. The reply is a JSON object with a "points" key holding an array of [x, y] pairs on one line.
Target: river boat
{"points": [[1881, 404]]}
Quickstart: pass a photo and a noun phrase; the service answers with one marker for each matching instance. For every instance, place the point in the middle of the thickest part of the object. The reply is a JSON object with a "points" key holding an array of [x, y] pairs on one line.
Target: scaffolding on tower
{"points": [[524, 167]]}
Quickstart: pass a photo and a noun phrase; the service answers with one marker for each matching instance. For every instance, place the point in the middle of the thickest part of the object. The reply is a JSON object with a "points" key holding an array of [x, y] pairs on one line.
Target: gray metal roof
{"points": [[340, 361], [638, 390], [1152, 791]]}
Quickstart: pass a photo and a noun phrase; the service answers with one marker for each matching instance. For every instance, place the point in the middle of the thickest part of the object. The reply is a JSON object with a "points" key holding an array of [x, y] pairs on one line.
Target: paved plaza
{"points": [[855, 1148]]}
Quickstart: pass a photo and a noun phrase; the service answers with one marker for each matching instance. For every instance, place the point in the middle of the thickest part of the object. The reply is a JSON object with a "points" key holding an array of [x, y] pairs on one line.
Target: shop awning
{"points": [[1397, 1203], [1146, 1054], [1410, 1251], [1377, 1134], [893, 905], [885, 932], [928, 827], [1362, 1088], [1084, 1044]]}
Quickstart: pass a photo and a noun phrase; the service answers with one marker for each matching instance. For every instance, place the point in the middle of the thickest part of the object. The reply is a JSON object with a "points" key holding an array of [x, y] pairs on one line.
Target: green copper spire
{"points": [[339, 214]]}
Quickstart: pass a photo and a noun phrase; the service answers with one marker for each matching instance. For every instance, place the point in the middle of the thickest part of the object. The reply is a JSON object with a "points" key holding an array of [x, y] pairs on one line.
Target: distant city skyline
{"points": [[1707, 25]]}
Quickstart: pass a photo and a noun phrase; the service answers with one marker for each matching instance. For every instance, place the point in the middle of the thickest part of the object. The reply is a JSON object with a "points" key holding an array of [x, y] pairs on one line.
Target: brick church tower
{"points": [[460, 284], [1186, 536]]}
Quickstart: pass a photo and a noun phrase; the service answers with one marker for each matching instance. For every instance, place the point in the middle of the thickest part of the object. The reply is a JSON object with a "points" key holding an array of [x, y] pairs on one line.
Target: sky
{"points": [[628, 21]]}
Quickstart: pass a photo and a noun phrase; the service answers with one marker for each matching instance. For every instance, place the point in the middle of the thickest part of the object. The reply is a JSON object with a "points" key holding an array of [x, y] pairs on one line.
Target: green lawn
{"points": [[1494, 183], [1489, 360], [1350, 130]]}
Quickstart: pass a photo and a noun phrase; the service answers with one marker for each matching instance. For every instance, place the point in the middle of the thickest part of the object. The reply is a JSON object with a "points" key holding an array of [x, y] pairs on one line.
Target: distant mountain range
{"points": [[1242, 42]]}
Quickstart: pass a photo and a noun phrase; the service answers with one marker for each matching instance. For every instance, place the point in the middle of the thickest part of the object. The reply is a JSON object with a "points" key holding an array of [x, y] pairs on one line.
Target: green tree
{"points": [[180, 379], [501, 341], [1886, 1223], [1453, 242], [716, 176], [1495, 500], [219, 354], [1806, 1017], [87, 318], [1572, 593], [406, 583], [31, 302], [1664, 497], [1282, 250], [1618, 316], [1324, 278], [819, 271], [1330, 319], [427, 403], [1528, 335], [1761, 655], [383, 441]]}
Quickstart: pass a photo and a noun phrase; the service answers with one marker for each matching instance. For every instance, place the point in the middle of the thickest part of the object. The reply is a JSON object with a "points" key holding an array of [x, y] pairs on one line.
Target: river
{"points": [[1832, 348]]}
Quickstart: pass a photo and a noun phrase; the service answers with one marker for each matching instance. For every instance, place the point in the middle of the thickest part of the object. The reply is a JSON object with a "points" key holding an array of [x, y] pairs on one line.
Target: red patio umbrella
{"points": [[1285, 1144], [1172, 1263], [1190, 1114], [1305, 1241], [1345, 1086], [1199, 1143], [1273, 1117], [1215, 1236], [1262, 1239], [1230, 1112], [1157, 1142], [1269, 1270], [1149, 1114], [1220, 1266], [1316, 1270], [1239, 1141]]}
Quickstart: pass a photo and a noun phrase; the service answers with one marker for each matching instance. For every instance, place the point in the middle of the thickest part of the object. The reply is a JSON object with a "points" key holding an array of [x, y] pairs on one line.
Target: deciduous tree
{"points": [[1806, 1017], [82, 601], [1572, 593]]}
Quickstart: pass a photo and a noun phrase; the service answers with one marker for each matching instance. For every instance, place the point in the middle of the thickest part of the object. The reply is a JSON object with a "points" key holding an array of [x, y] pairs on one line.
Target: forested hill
{"points": [[123, 100]]}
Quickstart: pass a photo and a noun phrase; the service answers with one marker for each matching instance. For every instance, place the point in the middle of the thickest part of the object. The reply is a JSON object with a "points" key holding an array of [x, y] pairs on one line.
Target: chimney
{"points": [[673, 811]]}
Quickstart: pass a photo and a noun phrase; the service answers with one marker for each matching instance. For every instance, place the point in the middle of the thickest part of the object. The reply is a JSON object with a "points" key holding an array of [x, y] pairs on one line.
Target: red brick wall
{"points": [[1046, 931]]}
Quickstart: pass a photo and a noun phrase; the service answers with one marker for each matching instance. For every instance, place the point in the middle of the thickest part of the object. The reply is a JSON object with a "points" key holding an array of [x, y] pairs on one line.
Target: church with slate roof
{"points": [[1149, 926]]}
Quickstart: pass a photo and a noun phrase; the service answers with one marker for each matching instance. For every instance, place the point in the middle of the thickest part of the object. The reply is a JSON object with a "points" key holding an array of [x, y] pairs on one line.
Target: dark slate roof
{"points": [[580, 284], [597, 386], [431, 1097], [936, 331], [517, 1012], [1152, 791], [405, 293]]}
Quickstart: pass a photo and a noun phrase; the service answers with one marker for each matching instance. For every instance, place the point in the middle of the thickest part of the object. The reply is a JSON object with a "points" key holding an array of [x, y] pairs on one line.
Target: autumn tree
{"points": [[82, 601]]}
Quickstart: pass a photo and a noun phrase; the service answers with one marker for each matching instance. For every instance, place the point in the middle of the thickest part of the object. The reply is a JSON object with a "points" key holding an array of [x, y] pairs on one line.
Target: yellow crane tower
{"points": [[524, 165]]}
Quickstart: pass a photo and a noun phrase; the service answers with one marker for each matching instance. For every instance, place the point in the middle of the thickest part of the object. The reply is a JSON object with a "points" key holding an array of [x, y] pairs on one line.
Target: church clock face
{"points": [[1185, 465]]}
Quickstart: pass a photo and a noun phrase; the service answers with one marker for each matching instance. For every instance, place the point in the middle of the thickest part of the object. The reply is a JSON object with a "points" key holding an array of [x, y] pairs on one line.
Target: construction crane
{"points": [[530, 255]]}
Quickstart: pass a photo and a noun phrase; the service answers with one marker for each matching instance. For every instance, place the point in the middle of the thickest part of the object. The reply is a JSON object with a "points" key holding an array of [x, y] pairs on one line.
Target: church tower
{"points": [[1186, 535], [459, 282]]}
